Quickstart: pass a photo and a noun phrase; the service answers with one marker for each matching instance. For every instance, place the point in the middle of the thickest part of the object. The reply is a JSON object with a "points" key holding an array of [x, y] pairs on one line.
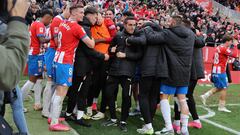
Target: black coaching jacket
{"points": [[125, 66], [150, 52], [85, 55], [175, 56]]}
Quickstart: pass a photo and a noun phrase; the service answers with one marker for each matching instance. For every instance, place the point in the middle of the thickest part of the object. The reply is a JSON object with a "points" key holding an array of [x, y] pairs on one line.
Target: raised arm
{"points": [[138, 39]]}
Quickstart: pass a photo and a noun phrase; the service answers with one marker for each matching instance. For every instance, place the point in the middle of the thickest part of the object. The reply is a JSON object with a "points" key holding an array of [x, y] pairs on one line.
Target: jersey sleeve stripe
{"points": [[84, 36]]}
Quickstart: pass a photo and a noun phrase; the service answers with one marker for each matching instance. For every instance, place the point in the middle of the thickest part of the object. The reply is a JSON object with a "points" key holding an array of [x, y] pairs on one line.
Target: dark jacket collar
{"points": [[85, 22]]}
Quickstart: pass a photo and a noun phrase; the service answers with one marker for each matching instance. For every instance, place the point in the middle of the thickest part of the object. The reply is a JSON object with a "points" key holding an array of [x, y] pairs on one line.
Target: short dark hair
{"points": [[129, 18], [46, 12], [227, 37], [90, 10], [128, 13], [187, 23], [111, 11], [178, 19], [75, 7], [141, 19]]}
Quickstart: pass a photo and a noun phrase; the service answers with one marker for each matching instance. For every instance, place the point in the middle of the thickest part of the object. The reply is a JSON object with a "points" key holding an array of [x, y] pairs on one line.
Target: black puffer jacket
{"points": [[125, 66], [175, 55], [197, 69], [150, 54], [84, 55]]}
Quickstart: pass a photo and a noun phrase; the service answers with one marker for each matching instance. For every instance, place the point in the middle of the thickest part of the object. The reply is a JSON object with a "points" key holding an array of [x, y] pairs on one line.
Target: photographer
{"points": [[13, 43]]}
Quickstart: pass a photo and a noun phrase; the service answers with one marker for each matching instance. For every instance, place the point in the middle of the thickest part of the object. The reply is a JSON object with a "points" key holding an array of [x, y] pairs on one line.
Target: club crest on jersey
{"points": [[41, 29], [56, 30]]}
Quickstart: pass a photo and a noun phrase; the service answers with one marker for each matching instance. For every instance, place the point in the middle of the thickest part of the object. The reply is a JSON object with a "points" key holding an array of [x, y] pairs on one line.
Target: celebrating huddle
{"points": [[84, 53]]}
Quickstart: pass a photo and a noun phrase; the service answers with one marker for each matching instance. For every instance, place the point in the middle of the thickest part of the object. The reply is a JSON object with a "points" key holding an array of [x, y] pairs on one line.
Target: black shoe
{"points": [[109, 123], [81, 122], [123, 126], [44, 116], [72, 117]]}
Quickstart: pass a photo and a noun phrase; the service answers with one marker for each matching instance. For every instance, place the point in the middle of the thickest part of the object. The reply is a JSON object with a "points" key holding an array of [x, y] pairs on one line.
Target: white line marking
{"points": [[221, 126], [211, 113], [74, 132], [216, 105]]}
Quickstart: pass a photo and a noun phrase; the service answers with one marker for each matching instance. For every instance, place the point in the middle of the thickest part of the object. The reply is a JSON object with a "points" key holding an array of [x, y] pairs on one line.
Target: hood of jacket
{"points": [[180, 31]]}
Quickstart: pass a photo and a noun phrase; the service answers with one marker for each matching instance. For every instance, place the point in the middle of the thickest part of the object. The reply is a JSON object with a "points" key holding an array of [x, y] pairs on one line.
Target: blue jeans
{"points": [[18, 114]]}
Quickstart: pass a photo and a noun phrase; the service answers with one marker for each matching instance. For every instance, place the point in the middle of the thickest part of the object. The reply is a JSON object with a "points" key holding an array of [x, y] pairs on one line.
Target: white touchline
{"points": [[211, 113], [221, 126]]}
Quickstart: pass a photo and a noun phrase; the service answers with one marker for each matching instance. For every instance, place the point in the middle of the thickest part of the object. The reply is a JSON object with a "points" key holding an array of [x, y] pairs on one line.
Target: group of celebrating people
{"points": [[87, 49]]}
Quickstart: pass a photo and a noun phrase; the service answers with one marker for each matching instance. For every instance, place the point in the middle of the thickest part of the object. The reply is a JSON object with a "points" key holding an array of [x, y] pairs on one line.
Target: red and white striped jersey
{"points": [[70, 32], [221, 56], [37, 29], [54, 30]]}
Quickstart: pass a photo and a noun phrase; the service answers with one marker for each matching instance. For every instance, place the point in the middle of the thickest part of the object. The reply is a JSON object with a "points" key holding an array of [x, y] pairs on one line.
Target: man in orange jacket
{"points": [[103, 33]]}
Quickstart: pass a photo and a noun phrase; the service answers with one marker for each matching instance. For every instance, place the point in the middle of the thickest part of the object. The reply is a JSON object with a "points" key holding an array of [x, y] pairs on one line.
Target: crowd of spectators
{"points": [[232, 4], [212, 26]]}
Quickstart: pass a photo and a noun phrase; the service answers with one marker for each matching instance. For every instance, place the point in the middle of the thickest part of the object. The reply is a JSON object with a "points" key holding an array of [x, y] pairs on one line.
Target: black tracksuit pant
{"points": [[148, 97], [99, 82], [78, 92], [190, 102], [111, 86]]}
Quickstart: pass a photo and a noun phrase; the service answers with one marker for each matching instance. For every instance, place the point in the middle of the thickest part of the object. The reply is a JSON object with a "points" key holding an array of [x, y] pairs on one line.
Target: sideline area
{"points": [[38, 125]]}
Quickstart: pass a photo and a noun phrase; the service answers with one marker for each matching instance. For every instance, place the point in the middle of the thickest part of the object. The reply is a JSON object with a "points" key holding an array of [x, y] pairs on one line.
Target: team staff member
{"points": [[101, 34], [35, 57], [82, 76], [178, 42], [136, 79], [121, 70], [68, 38], [197, 72], [149, 84]]}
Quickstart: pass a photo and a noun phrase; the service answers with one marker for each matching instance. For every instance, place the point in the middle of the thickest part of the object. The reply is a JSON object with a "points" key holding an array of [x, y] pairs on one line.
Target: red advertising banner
{"points": [[208, 53]]}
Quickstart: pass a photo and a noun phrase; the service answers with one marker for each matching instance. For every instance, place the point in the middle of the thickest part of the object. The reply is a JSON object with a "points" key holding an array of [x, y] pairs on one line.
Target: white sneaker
{"points": [[185, 133], [145, 131], [86, 117], [89, 111], [165, 131], [25, 110], [223, 109], [204, 100], [98, 116]]}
